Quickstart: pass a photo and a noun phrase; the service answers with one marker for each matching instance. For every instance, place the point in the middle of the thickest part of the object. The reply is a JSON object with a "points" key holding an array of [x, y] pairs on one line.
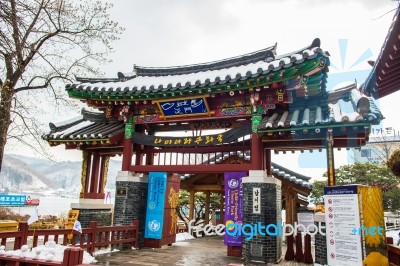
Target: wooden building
{"points": [[250, 105]]}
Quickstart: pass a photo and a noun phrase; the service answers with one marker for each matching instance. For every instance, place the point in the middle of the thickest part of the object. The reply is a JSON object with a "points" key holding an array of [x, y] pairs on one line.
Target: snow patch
{"points": [[183, 236], [49, 252]]}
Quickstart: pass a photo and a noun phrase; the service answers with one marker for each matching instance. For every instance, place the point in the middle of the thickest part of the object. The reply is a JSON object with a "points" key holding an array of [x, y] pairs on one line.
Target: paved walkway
{"points": [[207, 251]]}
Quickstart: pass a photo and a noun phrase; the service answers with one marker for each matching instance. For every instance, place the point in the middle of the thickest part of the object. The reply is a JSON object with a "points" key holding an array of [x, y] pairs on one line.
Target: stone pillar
{"points": [[321, 256], [93, 210], [268, 248], [131, 200]]}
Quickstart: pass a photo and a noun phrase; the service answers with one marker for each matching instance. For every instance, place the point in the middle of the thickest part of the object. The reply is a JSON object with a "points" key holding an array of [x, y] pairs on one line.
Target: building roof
{"points": [[384, 78], [246, 71], [89, 126], [342, 106]]}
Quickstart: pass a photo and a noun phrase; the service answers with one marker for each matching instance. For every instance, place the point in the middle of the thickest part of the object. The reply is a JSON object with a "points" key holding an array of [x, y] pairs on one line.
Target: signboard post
{"points": [[355, 228], [72, 218]]}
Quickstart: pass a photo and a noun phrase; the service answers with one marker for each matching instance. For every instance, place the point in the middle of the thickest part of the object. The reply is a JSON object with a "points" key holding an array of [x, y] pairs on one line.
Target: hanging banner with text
{"points": [[155, 205], [233, 205], [208, 140]]}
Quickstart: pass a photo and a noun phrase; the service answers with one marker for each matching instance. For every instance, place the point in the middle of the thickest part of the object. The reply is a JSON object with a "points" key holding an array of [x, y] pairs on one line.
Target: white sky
{"points": [[168, 33]]}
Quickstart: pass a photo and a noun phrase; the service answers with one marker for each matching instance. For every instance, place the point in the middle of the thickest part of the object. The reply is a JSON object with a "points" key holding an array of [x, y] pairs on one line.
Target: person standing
{"points": [[398, 240]]}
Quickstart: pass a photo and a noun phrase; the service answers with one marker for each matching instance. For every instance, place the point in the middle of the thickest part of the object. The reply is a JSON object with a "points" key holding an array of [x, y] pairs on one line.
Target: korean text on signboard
{"points": [[256, 200], [12, 200], [195, 106]]}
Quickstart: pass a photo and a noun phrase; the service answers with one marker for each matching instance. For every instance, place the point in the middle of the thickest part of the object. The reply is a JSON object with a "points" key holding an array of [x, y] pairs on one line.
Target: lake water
{"points": [[49, 206]]}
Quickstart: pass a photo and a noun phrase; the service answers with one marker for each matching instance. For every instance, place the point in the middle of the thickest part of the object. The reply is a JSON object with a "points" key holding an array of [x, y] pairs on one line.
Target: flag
{"points": [[77, 226], [34, 217]]}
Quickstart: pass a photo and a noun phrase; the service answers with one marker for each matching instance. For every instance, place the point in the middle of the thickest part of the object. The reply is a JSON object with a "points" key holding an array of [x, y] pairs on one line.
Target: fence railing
{"points": [[92, 238], [393, 252], [72, 257]]}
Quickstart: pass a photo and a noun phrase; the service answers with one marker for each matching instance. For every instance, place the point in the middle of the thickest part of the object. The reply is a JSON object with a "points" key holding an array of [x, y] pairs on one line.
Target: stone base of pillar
{"points": [[234, 251], [93, 210], [265, 248], [131, 200]]}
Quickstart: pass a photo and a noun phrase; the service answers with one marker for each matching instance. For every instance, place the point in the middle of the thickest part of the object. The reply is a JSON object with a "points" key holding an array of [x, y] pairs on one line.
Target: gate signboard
{"points": [[12, 200]]}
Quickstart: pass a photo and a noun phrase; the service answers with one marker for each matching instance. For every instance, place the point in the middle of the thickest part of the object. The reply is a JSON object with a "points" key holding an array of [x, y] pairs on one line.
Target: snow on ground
{"points": [[394, 234], [49, 251], [183, 236]]}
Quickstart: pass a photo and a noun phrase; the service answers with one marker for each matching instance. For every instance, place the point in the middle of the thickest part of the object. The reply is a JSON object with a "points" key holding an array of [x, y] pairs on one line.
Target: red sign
{"points": [[32, 201]]}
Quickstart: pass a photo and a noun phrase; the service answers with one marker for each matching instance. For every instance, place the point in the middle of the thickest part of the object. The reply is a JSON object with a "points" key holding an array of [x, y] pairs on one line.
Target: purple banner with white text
{"points": [[233, 205]]}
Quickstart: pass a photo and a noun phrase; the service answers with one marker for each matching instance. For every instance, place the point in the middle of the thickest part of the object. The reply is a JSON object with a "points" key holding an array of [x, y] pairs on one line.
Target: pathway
{"points": [[207, 251]]}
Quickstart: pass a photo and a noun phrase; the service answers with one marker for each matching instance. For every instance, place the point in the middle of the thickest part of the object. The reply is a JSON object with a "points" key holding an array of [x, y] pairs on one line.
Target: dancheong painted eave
{"points": [[342, 107], [384, 79], [239, 73]]}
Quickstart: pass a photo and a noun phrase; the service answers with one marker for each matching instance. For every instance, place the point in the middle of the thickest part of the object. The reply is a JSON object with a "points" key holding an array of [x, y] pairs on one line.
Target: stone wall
{"points": [[102, 217], [130, 201]]}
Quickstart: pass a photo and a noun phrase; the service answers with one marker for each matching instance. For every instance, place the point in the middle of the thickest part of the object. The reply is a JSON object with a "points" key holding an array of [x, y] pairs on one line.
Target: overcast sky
{"points": [[169, 33]]}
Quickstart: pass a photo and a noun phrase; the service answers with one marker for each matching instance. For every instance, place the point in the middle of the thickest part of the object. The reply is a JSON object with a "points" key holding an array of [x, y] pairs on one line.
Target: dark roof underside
{"points": [[384, 78]]}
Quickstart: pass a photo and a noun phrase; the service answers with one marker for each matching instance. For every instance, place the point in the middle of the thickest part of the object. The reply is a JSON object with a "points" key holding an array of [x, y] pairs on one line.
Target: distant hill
{"points": [[22, 173]]}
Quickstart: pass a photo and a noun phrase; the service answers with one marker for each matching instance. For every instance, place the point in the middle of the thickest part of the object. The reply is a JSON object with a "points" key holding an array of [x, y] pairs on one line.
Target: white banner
{"points": [[256, 200]]}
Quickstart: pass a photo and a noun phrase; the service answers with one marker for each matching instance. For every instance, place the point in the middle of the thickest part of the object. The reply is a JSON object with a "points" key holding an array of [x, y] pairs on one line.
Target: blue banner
{"points": [[233, 205], [155, 205], [184, 107], [12, 200], [338, 190]]}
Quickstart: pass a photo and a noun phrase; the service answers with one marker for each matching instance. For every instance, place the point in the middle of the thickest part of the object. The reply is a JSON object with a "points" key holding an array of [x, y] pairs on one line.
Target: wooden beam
{"points": [[211, 149], [207, 210], [288, 210], [127, 154], [267, 161], [193, 169], [94, 176], [330, 160], [221, 208], [256, 151], [191, 205], [205, 188]]}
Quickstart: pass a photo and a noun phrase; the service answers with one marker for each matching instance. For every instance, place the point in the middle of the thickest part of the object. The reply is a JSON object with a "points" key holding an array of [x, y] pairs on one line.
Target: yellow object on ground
{"points": [[8, 225], [375, 259]]}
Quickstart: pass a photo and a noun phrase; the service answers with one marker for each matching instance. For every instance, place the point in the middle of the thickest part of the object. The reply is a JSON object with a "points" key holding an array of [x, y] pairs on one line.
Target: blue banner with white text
{"points": [[155, 205]]}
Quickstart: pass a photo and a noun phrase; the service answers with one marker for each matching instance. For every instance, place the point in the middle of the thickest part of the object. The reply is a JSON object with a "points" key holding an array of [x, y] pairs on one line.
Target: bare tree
{"points": [[43, 42]]}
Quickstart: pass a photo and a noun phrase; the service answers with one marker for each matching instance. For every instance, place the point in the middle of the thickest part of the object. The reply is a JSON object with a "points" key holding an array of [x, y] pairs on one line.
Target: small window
{"points": [[366, 153]]}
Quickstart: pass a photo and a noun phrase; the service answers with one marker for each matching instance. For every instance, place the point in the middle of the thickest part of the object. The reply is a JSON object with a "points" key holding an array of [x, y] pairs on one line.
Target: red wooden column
{"points": [[256, 152], [86, 170], [103, 175], [94, 172], [267, 161], [94, 177], [128, 145]]}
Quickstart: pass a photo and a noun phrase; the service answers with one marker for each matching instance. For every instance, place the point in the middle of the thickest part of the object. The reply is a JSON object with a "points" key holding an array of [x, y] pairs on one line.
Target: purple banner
{"points": [[233, 205]]}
